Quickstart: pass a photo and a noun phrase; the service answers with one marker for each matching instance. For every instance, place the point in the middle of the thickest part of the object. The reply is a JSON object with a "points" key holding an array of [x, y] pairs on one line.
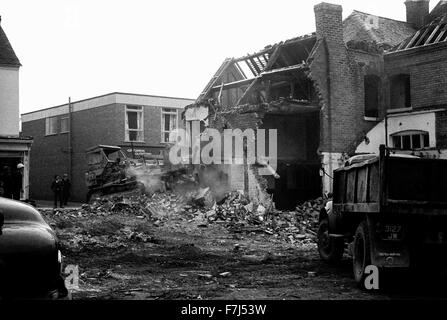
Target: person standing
{"points": [[57, 187], [17, 182], [66, 185]]}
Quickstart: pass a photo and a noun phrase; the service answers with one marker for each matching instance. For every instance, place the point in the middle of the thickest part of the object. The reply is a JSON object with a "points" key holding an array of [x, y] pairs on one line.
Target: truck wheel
{"points": [[361, 255], [330, 249]]}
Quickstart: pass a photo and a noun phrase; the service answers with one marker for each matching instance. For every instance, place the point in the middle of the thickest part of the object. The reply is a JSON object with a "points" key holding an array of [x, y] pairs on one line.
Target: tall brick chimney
{"points": [[329, 22], [417, 12]]}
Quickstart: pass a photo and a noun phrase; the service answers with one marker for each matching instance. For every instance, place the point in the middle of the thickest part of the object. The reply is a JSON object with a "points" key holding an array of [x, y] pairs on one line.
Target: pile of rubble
{"points": [[235, 211], [239, 214]]}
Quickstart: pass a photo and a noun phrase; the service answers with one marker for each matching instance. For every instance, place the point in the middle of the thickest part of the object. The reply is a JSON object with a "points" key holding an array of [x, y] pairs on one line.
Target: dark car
{"points": [[30, 259]]}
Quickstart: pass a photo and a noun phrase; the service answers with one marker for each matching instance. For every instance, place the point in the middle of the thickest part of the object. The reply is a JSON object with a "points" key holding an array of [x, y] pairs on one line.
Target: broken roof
{"points": [[432, 33], [384, 32], [7, 54], [286, 56]]}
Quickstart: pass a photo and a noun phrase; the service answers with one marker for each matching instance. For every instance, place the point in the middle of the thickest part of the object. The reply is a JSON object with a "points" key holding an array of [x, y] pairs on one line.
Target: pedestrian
{"points": [[17, 182], [57, 187], [66, 185]]}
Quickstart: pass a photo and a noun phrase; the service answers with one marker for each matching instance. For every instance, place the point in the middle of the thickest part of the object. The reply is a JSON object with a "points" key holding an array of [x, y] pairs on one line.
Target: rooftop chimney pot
{"points": [[418, 12]]}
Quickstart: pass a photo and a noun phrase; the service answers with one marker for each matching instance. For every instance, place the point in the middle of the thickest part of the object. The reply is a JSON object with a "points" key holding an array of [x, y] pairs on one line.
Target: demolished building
{"points": [[327, 94]]}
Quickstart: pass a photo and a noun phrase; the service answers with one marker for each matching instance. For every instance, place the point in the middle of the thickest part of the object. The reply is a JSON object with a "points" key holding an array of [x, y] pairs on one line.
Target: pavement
{"points": [[50, 204]]}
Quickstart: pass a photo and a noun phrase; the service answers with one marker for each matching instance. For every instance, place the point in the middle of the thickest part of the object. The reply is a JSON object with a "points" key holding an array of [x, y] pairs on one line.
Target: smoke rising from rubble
{"points": [[152, 183]]}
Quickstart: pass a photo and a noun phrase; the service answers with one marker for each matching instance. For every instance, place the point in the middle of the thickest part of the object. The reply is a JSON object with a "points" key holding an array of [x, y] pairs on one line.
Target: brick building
{"points": [[327, 94], [135, 122], [14, 147], [415, 86]]}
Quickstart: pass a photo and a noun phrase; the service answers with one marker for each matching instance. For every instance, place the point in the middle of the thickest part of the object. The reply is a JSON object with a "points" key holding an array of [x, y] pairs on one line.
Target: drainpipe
{"points": [[329, 104], [70, 152], [386, 127]]}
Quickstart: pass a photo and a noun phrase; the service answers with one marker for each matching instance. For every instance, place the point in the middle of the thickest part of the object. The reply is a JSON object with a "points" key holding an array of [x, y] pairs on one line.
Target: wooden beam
{"points": [[427, 30], [234, 84], [432, 35], [265, 58], [248, 56], [240, 70], [441, 34], [260, 62], [272, 60], [295, 67], [403, 44], [223, 67], [250, 66], [255, 65], [413, 40]]}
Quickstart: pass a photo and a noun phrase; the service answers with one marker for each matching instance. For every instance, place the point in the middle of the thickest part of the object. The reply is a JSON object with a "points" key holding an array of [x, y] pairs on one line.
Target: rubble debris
{"points": [[235, 211], [225, 274], [205, 276]]}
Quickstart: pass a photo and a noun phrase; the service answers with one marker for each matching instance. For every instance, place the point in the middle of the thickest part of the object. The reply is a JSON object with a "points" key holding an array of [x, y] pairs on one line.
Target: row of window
{"points": [[410, 140], [399, 93], [55, 125], [133, 127]]}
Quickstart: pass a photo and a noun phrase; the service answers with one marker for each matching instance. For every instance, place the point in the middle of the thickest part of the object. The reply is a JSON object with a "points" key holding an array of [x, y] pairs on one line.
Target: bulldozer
{"points": [[109, 171]]}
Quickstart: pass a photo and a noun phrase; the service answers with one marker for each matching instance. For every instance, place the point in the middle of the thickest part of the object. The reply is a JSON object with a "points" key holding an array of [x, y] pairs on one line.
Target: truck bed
{"points": [[392, 184]]}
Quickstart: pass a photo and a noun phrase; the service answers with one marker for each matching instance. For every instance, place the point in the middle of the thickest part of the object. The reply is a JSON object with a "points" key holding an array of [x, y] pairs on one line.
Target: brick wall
{"points": [[338, 74], [427, 68], [418, 12]]}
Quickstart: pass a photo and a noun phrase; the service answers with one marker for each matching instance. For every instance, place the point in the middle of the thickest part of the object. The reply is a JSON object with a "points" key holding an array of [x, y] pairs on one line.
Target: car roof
{"points": [[17, 211]]}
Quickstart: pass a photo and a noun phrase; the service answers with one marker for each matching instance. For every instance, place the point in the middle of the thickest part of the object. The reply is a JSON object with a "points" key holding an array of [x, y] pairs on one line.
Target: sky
{"points": [[85, 48]]}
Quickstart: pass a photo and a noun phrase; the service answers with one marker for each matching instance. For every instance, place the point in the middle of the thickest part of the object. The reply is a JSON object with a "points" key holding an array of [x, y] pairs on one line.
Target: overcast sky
{"points": [[85, 48]]}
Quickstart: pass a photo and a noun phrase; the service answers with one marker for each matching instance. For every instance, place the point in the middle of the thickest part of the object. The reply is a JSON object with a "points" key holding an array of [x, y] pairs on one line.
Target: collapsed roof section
{"points": [[285, 63], [281, 62], [432, 33]]}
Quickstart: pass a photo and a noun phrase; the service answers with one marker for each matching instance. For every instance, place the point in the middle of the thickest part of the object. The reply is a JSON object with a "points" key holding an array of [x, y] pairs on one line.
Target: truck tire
{"points": [[361, 253], [330, 249]]}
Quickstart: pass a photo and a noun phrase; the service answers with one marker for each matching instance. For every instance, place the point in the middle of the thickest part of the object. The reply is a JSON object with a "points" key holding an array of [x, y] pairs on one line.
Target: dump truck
{"points": [[390, 210], [108, 172]]}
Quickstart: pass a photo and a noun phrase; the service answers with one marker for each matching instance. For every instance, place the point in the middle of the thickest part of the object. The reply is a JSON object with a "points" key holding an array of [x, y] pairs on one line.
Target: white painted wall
{"points": [[9, 101], [396, 123], [124, 98]]}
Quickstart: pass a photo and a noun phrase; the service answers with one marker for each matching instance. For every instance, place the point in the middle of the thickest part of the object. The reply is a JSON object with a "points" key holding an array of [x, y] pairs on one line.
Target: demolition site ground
{"points": [[161, 248]]}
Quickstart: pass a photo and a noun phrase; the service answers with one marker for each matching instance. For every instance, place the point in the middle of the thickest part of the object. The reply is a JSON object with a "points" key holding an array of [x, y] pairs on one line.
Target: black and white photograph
{"points": [[242, 152]]}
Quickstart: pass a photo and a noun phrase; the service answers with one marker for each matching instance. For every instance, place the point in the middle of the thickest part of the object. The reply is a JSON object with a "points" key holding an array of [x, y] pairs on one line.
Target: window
{"points": [[371, 88], [134, 124], [65, 124], [50, 126], [168, 123], [400, 96], [410, 140]]}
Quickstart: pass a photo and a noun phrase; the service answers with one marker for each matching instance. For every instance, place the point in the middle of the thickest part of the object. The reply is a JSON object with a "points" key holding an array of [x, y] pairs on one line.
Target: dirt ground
{"points": [[124, 256]]}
